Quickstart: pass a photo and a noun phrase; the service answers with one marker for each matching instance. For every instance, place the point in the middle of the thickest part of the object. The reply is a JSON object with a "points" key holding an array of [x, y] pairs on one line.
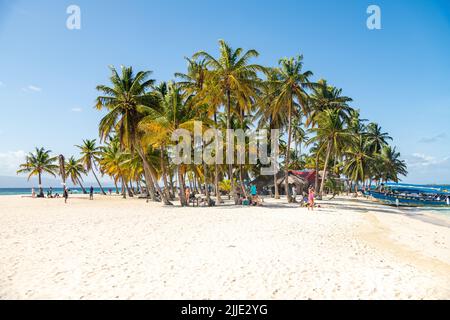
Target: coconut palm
{"points": [[391, 165], [127, 102], [376, 138], [74, 170], [332, 131], [193, 83], [159, 125], [232, 77], [90, 155], [358, 157], [38, 163], [294, 83], [267, 94], [324, 97]]}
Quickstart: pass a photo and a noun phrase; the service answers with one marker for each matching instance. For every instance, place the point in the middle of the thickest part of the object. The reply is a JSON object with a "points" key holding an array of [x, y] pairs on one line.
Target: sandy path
{"points": [[127, 249]]}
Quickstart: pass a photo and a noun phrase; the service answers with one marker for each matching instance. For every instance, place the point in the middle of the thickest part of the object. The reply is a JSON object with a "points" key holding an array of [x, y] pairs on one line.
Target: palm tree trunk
{"points": [[205, 175], [164, 174], [147, 176], [216, 171], [325, 167], [182, 194], [172, 186], [41, 190], [101, 188], [316, 178], [82, 188], [275, 183], [124, 188], [288, 153], [130, 189], [152, 176], [230, 166], [115, 184]]}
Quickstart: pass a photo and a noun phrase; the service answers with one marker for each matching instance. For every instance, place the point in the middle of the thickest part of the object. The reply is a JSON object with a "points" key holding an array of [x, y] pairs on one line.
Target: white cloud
{"points": [[10, 161], [433, 139], [423, 160], [32, 88], [76, 110]]}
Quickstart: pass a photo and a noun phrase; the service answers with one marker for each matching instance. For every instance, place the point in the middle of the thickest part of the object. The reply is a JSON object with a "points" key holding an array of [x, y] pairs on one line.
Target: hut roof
{"points": [[294, 179]]}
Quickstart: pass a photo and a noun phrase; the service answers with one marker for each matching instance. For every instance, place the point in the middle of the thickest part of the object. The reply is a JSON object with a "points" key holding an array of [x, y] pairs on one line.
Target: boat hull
{"points": [[407, 201]]}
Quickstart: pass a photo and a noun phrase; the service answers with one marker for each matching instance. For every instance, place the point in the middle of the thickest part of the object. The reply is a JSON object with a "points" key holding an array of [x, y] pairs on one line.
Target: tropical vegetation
{"points": [[320, 130]]}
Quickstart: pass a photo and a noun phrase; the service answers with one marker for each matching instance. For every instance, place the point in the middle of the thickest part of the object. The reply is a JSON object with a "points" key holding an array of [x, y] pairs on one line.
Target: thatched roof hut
{"points": [[267, 182]]}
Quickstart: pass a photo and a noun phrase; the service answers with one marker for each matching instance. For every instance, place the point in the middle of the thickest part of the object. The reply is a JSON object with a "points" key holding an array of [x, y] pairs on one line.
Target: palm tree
{"points": [[293, 85], [358, 158], [159, 125], [90, 155], [193, 83], [128, 101], [390, 164], [232, 77], [376, 138], [37, 163], [74, 170], [331, 130], [111, 162], [267, 93], [324, 97]]}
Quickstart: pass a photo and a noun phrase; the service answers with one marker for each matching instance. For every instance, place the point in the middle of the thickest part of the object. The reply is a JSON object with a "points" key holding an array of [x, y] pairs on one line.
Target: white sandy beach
{"points": [[112, 248]]}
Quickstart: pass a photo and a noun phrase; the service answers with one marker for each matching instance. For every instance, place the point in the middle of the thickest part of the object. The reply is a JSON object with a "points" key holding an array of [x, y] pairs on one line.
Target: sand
{"points": [[112, 248]]}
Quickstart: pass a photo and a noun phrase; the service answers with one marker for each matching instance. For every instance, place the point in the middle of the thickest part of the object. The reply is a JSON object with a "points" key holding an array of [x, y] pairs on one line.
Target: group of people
{"points": [[253, 200], [198, 199], [65, 194], [308, 199]]}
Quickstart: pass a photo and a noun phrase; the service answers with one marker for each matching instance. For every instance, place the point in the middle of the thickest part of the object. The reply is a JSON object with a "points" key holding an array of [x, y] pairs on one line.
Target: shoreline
{"points": [[112, 248]]}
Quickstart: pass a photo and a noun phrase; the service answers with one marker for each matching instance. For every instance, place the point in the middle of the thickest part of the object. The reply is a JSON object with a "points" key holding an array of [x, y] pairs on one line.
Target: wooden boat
{"points": [[412, 196]]}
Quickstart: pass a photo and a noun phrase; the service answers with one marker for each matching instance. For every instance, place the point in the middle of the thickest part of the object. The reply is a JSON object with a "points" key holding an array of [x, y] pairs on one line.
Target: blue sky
{"points": [[398, 76]]}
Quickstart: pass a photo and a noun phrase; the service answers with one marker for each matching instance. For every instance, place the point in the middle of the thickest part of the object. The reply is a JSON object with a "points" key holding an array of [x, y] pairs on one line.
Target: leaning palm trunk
{"points": [[115, 184], [151, 178], [101, 188], [124, 188], [286, 169], [147, 176], [164, 174], [325, 167], [82, 188]]}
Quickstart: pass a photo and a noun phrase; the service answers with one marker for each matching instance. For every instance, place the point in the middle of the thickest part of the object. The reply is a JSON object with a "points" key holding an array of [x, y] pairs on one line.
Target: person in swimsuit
{"points": [[311, 199]]}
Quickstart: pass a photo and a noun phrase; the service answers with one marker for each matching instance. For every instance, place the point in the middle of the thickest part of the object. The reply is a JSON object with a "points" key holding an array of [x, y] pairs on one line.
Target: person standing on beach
{"points": [[187, 194], [91, 193], [33, 193], [311, 199], [65, 194]]}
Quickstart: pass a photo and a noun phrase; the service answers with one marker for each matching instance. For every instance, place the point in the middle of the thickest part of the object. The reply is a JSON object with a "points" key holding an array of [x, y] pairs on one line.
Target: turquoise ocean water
{"points": [[27, 191]]}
